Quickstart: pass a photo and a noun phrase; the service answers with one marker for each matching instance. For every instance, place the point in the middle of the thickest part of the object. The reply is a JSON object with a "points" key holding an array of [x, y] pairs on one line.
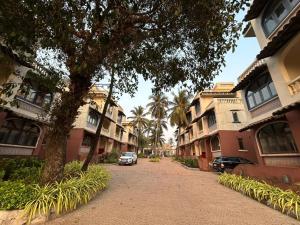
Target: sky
{"points": [[236, 63]]}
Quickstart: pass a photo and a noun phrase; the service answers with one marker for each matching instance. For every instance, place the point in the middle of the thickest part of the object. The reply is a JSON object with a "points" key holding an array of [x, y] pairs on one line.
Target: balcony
{"points": [[105, 131], [229, 100], [294, 86], [212, 128], [29, 107]]}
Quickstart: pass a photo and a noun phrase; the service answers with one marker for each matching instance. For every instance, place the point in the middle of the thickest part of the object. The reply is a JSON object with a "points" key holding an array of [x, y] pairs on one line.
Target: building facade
{"points": [[270, 89], [215, 117], [23, 119]]}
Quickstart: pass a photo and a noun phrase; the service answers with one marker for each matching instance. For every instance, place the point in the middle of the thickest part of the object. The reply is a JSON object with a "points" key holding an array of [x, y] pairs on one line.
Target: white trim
{"points": [[211, 144], [272, 155], [18, 146], [243, 150]]}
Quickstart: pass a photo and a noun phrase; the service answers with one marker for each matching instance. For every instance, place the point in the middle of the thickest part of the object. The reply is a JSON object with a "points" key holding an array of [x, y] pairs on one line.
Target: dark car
{"points": [[220, 164]]}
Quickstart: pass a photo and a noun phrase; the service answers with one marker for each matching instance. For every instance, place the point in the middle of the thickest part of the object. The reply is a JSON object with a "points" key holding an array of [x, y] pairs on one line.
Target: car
{"points": [[128, 158], [223, 163]]}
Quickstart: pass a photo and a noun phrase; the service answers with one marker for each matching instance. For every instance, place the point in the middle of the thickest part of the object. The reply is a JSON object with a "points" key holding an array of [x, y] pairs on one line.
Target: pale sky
{"points": [[236, 63]]}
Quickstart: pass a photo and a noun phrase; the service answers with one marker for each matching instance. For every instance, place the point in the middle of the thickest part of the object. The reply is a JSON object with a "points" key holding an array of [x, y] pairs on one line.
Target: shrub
{"points": [[26, 169], [15, 194], [72, 169], [2, 173], [68, 194], [286, 201], [193, 163], [142, 155], [156, 159], [111, 157]]}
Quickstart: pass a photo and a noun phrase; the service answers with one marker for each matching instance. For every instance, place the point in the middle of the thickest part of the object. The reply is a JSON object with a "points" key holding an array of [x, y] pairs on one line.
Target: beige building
{"points": [[23, 118], [130, 137], [270, 88], [215, 116]]}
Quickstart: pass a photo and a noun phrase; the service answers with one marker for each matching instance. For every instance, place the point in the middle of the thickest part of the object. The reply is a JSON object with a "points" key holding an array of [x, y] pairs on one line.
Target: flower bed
{"points": [[156, 159], [287, 202], [75, 189], [189, 162]]}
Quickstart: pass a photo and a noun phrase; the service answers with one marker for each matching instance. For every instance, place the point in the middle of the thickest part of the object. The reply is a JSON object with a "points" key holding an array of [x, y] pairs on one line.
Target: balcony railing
{"points": [[29, 107], [229, 101], [212, 127], [105, 131], [294, 86]]}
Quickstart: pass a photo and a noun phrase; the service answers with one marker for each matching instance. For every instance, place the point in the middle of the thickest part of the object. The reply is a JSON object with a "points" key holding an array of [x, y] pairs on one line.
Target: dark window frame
{"points": [[27, 134], [255, 90], [241, 143], [270, 12], [276, 140], [235, 116], [211, 118]]}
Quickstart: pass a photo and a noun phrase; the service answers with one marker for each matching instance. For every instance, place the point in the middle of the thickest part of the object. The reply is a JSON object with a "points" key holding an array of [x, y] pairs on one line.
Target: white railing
{"points": [[105, 131], [229, 101], [294, 85], [29, 107]]}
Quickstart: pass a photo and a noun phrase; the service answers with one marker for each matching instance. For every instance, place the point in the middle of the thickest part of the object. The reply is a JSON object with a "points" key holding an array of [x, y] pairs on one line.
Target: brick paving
{"points": [[165, 193]]}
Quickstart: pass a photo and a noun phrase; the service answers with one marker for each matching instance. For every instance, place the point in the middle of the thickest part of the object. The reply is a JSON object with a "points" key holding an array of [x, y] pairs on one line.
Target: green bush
{"points": [[26, 169], [68, 194], [15, 194], [286, 201], [111, 157], [2, 173], [193, 163], [142, 155], [156, 159], [72, 169]]}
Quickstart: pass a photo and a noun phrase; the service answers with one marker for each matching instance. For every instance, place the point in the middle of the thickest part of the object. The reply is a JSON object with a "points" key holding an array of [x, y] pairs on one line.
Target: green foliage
{"points": [[155, 159], [24, 169], [72, 169], [2, 173], [193, 163], [111, 157], [286, 201], [68, 194], [142, 155], [15, 194]]}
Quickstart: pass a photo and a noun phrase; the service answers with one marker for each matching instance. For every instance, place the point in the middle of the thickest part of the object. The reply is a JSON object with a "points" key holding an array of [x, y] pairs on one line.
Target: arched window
{"points": [[215, 143], [275, 13], [260, 91], [276, 138], [19, 132]]}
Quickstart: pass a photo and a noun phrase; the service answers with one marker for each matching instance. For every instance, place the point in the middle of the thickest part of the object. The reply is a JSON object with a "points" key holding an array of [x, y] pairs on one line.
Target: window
{"points": [[260, 91], [241, 143], [235, 117], [19, 132], [35, 94], [87, 140], [275, 13], [200, 125], [215, 143], [276, 138], [189, 117], [211, 119], [197, 107], [93, 118]]}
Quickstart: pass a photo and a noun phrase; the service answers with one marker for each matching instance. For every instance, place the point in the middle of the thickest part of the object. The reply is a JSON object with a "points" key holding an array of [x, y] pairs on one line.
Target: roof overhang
{"points": [[248, 31], [207, 111], [254, 71], [288, 108], [255, 9], [260, 122], [283, 36], [195, 100]]}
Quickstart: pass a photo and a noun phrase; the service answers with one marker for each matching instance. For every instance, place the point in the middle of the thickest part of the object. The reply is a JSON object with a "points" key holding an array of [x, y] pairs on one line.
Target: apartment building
{"points": [[270, 89], [130, 138], [215, 117], [113, 132], [22, 119]]}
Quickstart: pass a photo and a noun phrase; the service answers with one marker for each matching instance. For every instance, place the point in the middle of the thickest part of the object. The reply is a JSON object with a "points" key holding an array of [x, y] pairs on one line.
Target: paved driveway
{"points": [[167, 194]]}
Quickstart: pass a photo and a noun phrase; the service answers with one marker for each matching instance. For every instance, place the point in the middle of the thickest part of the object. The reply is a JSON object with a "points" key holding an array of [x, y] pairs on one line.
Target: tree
{"points": [[178, 108], [139, 120], [157, 108], [167, 42]]}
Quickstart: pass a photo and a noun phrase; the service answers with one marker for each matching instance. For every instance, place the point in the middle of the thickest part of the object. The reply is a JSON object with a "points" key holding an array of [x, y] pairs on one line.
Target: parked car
{"points": [[220, 164], [128, 158]]}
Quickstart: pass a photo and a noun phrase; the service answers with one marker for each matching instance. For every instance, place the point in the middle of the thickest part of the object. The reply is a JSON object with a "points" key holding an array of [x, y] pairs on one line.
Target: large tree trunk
{"points": [[62, 117], [96, 137]]}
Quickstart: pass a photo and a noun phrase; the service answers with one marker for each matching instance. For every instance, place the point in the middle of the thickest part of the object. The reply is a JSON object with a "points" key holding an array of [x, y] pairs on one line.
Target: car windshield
{"points": [[127, 154]]}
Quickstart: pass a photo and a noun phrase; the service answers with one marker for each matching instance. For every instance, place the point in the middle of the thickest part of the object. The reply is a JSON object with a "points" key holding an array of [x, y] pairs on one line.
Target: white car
{"points": [[128, 158]]}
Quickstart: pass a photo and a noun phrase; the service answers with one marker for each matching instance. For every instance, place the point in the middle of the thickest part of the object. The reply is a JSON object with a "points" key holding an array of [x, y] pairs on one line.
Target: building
{"points": [[116, 134], [215, 117], [130, 138], [22, 117], [270, 89]]}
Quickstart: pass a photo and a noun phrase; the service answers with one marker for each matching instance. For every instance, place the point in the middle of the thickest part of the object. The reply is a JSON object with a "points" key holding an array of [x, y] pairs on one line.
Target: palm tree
{"points": [[178, 108], [140, 121]]}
